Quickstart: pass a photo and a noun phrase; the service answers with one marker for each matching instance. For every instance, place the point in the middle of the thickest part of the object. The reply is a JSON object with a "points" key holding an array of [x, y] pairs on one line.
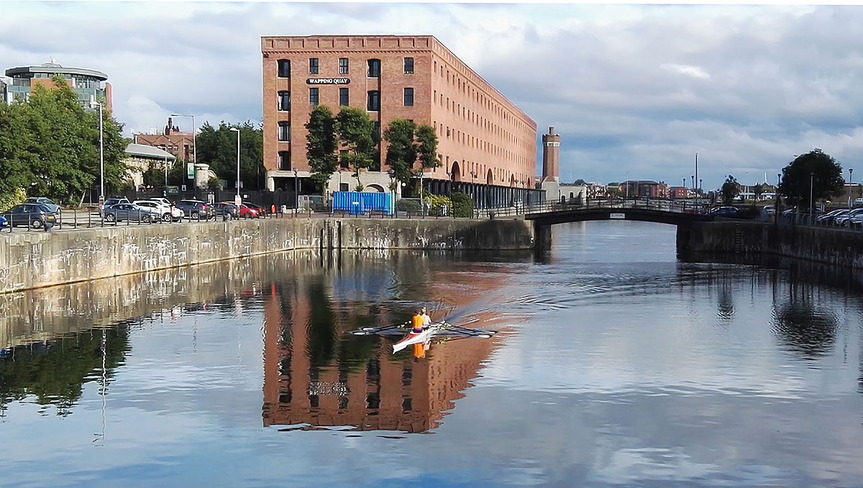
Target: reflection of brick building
{"points": [[388, 393], [180, 144]]}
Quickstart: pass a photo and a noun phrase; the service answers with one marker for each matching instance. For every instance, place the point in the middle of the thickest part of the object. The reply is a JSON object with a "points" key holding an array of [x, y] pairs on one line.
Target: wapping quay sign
{"points": [[328, 81]]}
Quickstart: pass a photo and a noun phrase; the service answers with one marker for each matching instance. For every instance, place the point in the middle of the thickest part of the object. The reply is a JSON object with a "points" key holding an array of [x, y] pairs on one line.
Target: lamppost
{"points": [[811, 193], [850, 187], [101, 159], [696, 178], [296, 191], [238, 199], [194, 136]]}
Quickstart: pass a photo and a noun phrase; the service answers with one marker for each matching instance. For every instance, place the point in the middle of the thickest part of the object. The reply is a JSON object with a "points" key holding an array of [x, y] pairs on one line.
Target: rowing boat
{"points": [[418, 337]]}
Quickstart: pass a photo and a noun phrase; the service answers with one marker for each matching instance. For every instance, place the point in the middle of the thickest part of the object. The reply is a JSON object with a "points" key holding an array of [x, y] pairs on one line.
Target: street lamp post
{"points": [[850, 187], [101, 159], [296, 191], [237, 200], [811, 193]]}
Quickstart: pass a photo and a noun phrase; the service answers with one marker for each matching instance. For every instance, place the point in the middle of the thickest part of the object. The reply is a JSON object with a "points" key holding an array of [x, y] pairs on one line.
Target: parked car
{"points": [[33, 215], [723, 211], [842, 220], [247, 211], [227, 210], [261, 210], [196, 209], [132, 212], [768, 210], [110, 202], [53, 207], [2, 222], [827, 219], [168, 212], [858, 202]]}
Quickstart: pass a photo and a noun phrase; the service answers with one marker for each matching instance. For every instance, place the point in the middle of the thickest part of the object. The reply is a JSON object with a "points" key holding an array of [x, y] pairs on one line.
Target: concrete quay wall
{"points": [[833, 246], [38, 259]]}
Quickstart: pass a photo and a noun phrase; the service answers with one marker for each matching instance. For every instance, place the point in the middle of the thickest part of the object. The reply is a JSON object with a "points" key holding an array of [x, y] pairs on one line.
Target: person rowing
{"points": [[418, 322]]}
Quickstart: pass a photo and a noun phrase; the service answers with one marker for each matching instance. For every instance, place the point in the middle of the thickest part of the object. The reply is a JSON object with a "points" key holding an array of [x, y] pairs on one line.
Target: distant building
{"points": [[486, 145], [644, 189], [180, 144], [678, 192], [139, 158], [88, 84]]}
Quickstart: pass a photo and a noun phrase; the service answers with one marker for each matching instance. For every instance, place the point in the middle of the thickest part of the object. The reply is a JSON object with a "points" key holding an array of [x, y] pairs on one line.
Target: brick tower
{"points": [[551, 156]]}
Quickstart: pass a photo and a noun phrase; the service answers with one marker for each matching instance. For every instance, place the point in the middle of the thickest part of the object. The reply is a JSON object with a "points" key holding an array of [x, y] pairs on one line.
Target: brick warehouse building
{"points": [[486, 145]]}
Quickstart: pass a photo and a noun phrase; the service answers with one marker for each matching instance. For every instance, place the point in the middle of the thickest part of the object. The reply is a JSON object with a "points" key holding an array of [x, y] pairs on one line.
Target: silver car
{"points": [[132, 212]]}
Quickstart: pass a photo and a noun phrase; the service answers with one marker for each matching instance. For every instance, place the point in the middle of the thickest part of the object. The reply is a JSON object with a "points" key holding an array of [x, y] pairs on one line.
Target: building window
{"points": [[284, 160], [343, 97], [313, 97], [284, 131], [374, 68], [284, 68], [409, 97], [313, 66], [284, 101], [343, 66], [409, 66], [374, 101]]}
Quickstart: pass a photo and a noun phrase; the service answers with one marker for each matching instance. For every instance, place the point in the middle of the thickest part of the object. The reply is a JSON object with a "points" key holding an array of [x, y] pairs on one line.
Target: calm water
{"points": [[615, 365]]}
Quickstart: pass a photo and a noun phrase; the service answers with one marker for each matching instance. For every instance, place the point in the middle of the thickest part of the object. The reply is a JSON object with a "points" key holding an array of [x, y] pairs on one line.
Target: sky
{"points": [[635, 91]]}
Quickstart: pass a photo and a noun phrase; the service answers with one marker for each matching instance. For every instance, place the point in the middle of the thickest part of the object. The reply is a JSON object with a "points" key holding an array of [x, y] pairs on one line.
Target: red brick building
{"points": [[484, 140], [180, 144]]}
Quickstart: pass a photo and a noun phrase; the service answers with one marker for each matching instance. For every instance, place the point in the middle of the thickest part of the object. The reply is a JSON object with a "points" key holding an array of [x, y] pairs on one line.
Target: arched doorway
{"points": [[455, 172]]}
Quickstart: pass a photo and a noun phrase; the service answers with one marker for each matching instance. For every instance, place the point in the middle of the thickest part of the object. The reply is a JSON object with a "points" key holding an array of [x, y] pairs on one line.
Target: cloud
{"points": [[638, 88]]}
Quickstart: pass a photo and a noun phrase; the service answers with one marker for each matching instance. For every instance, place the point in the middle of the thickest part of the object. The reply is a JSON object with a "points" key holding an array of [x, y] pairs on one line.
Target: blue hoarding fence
{"points": [[358, 203]]}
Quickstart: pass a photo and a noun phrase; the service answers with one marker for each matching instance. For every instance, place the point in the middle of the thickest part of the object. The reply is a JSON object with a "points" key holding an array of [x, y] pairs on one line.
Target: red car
{"points": [[248, 212]]}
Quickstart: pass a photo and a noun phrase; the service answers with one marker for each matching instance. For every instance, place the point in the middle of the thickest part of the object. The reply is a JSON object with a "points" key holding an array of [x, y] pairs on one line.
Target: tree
{"points": [[49, 146], [816, 172], [321, 145], [217, 147], [401, 151], [758, 190], [730, 189], [356, 132], [579, 182], [407, 143]]}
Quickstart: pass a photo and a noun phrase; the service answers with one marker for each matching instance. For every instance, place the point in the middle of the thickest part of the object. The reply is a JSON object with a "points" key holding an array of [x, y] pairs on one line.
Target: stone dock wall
{"points": [[827, 245], [38, 259]]}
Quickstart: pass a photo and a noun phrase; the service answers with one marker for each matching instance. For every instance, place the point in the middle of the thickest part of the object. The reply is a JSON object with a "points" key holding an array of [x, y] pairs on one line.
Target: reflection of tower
{"points": [[551, 156], [387, 393]]}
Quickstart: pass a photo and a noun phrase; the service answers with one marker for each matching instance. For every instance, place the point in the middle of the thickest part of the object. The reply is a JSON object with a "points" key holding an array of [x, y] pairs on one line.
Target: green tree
{"points": [[758, 190], [355, 131], [321, 145], [49, 145], [815, 171], [407, 143], [401, 151], [218, 148], [730, 189], [579, 182]]}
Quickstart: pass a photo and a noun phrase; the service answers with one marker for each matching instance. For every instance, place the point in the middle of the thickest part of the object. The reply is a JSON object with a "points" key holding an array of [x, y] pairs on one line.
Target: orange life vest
{"points": [[417, 322]]}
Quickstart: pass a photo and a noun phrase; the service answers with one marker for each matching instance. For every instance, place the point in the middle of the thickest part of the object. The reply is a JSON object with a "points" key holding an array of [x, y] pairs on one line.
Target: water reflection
{"points": [[316, 375]]}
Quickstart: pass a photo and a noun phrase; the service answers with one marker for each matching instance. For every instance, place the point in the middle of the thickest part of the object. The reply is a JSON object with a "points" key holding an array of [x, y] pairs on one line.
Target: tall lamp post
{"points": [[850, 187], [101, 159], [237, 200], [296, 191], [695, 178], [811, 193], [194, 136]]}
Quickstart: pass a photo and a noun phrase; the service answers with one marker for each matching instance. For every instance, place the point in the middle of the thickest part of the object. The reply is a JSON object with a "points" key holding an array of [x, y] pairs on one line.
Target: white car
{"points": [[167, 211]]}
